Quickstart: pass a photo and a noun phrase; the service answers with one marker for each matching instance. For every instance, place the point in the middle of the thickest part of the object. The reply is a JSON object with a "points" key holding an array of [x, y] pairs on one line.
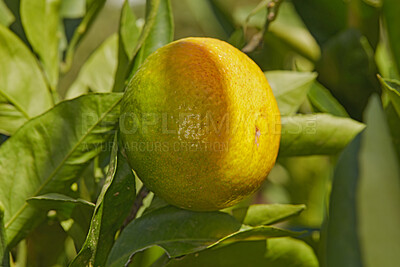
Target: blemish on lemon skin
{"points": [[258, 134]]}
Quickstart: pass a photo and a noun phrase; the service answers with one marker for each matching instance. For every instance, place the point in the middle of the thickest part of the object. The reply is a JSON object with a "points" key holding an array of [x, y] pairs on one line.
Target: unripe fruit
{"points": [[200, 125]]}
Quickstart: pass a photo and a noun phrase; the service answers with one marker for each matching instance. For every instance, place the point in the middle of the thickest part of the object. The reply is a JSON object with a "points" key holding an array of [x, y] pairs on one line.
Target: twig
{"points": [[143, 192], [257, 39]]}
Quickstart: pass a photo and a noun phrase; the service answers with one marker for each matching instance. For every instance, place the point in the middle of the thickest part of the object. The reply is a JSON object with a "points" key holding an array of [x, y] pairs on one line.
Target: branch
{"points": [[143, 192], [257, 39]]}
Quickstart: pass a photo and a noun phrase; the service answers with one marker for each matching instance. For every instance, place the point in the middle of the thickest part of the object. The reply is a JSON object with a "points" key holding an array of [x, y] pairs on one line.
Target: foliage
{"points": [[68, 196]]}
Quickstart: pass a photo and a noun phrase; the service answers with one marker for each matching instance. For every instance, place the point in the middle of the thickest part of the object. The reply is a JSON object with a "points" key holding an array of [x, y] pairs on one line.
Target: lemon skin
{"points": [[200, 125]]}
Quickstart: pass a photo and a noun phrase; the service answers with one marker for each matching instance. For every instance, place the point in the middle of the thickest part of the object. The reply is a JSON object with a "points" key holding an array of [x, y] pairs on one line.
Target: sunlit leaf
{"points": [[161, 33], [40, 19], [265, 214], [48, 153], [6, 16], [4, 254], [97, 74], [128, 35], [290, 88], [316, 134], [23, 91]]}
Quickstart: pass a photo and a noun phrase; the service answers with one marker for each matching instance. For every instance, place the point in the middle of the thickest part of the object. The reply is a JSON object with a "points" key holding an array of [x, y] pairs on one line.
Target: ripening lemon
{"points": [[200, 125]]}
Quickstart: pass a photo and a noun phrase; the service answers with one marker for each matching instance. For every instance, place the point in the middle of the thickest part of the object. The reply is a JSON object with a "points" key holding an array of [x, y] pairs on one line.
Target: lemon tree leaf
{"points": [[392, 88], [4, 254], [185, 232], [265, 214], [73, 9], [79, 210], [6, 16], [112, 207], [324, 18], [316, 134], [93, 8], [391, 9], [64, 205], [40, 20], [178, 231], [97, 74], [47, 154], [128, 35], [275, 252], [323, 101], [347, 67], [152, 7], [392, 109], [393, 119], [290, 88], [160, 34], [128, 30], [23, 91], [342, 247], [378, 195], [365, 193]]}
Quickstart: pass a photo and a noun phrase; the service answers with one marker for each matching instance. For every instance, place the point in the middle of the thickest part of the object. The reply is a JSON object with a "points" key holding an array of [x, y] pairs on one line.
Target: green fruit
{"points": [[200, 125]]}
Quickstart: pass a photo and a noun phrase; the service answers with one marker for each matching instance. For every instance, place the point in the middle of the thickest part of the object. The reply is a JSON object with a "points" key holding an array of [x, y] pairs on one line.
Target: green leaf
{"points": [[93, 8], [362, 228], [97, 74], [152, 8], [391, 11], [265, 214], [392, 88], [347, 67], [342, 247], [4, 254], [23, 92], [161, 33], [40, 20], [73, 9], [324, 18], [128, 35], [112, 207], [392, 109], [48, 153], [290, 88], [276, 252], [323, 101], [378, 195], [204, 14], [64, 205], [128, 30], [6, 16], [253, 233], [393, 119], [223, 16], [45, 245], [316, 134], [178, 231]]}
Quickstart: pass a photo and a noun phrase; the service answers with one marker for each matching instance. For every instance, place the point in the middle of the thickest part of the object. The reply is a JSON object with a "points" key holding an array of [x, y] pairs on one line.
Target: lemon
{"points": [[200, 125]]}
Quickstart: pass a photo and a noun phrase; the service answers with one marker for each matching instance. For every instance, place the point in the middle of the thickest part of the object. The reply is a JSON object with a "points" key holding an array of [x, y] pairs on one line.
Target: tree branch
{"points": [[257, 39]]}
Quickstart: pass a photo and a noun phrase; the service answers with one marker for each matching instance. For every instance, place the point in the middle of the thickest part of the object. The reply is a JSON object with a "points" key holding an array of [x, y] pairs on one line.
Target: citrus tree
{"points": [[69, 196]]}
